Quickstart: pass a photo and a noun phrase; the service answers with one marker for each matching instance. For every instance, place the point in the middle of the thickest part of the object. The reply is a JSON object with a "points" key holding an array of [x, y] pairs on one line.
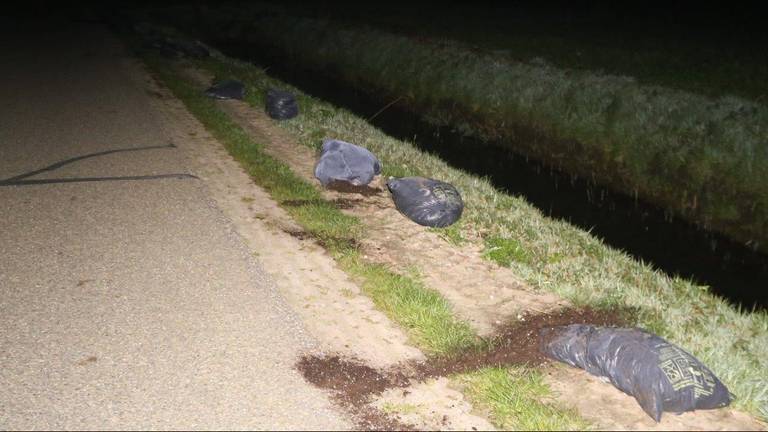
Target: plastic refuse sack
{"points": [[341, 161], [281, 105], [426, 201], [660, 375], [227, 89]]}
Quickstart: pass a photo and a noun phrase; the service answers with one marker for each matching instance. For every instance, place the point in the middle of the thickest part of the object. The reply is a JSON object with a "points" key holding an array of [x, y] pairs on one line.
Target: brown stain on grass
{"points": [[353, 383], [518, 343]]}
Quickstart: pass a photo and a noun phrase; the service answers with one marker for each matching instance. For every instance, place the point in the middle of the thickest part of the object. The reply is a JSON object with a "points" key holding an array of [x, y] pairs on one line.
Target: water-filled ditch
{"points": [[647, 232]]}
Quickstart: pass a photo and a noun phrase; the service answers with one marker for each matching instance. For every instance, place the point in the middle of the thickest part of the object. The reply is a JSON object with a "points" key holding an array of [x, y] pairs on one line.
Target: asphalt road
{"points": [[127, 301]]}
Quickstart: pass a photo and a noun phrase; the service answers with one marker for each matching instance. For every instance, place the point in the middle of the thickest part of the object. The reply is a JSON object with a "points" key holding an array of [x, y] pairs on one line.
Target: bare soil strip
{"points": [[353, 383]]}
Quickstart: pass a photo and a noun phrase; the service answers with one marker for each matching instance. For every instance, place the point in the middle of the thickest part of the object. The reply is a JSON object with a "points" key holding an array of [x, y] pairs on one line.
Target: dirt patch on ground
{"points": [[518, 343], [354, 383], [351, 377]]}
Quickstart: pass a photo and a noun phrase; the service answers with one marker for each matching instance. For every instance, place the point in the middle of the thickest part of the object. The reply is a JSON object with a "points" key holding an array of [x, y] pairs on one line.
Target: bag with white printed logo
{"points": [[661, 376]]}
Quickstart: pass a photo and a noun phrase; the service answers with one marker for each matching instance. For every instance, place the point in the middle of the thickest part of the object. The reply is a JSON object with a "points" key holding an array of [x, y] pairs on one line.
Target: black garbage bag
{"points": [[341, 161], [227, 89], [426, 201], [281, 105], [661, 376]]}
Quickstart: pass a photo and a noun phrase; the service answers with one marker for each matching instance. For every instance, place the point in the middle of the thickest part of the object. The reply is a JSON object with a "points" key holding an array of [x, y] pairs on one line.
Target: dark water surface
{"points": [[646, 232]]}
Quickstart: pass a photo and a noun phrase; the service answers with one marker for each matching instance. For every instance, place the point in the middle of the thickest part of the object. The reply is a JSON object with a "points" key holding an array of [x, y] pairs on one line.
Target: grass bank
{"points": [[423, 313], [552, 255], [517, 400], [701, 157]]}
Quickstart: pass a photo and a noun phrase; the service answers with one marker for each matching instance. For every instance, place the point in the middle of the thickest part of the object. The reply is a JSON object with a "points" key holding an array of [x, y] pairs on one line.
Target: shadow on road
{"points": [[19, 180]]}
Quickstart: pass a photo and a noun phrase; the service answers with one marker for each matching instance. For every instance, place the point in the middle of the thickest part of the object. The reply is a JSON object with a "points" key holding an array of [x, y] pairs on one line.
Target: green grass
{"points": [[553, 255], [505, 251], [519, 399], [452, 233], [319, 217], [423, 312]]}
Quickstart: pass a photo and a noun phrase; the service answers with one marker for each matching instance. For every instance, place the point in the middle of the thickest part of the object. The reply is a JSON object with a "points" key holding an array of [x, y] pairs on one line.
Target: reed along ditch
{"points": [[676, 247]]}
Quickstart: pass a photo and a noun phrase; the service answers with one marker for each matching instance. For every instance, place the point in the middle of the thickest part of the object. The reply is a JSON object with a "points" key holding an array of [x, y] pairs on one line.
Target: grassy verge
{"points": [[702, 158], [519, 399], [423, 312], [319, 217], [552, 255]]}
